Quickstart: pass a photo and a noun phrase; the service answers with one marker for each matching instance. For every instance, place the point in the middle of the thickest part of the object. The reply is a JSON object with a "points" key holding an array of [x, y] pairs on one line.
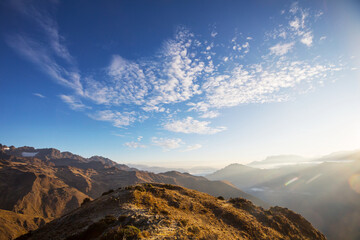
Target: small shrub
{"points": [[242, 203], [203, 211], [128, 232], [148, 185], [122, 218], [171, 187], [86, 200], [140, 188], [175, 204], [164, 212], [145, 234], [94, 230], [166, 223], [108, 192], [194, 230], [221, 198], [109, 219], [183, 222]]}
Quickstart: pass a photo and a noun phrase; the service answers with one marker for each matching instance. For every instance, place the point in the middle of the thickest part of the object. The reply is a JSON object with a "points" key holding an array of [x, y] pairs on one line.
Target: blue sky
{"points": [[181, 83]]}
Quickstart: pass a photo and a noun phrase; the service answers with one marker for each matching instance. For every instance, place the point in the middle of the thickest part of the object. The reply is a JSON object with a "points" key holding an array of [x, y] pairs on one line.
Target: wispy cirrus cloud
{"points": [[39, 95], [74, 104], [45, 54], [42, 57], [48, 25]]}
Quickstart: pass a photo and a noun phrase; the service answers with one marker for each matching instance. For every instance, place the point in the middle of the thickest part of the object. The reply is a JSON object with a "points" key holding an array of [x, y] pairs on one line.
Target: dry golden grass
{"points": [[163, 211]]}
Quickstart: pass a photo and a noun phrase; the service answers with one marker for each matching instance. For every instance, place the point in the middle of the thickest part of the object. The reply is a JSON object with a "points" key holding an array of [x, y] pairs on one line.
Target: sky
{"points": [[181, 83]]}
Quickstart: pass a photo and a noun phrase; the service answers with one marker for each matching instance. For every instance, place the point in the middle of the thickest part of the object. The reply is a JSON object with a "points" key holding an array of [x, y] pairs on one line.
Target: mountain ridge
{"points": [[164, 211], [55, 186]]}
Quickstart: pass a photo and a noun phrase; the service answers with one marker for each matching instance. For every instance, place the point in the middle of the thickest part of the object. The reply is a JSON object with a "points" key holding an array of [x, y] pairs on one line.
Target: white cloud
{"points": [[199, 106], [283, 34], [153, 109], [210, 114], [187, 72], [295, 24], [323, 38], [118, 119], [170, 77], [167, 143], [134, 145], [39, 95], [307, 39], [247, 85], [281, 49], [298, 29], [74, 103], [140, 138], [190, 125], [192, 147], [214, 33], [294, 8]]}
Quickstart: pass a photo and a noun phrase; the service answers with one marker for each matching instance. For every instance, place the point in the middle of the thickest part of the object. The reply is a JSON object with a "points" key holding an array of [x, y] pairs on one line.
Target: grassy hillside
{"points": [[164, 211]]}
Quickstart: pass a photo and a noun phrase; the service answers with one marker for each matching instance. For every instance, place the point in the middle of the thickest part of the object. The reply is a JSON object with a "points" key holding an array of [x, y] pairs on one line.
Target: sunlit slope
{"points": [[163, 211]]}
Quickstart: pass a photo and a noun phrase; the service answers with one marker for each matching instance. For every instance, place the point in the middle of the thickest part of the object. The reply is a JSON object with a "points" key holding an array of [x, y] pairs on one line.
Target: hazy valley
{"points": [[325, 193]]}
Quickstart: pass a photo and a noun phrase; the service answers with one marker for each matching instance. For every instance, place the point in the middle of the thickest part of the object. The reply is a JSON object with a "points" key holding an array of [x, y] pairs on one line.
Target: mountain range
{"points": [[40, 185]]}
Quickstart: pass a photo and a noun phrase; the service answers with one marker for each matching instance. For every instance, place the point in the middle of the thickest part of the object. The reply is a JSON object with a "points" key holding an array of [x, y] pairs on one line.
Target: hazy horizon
{"points": [[186, 165]]}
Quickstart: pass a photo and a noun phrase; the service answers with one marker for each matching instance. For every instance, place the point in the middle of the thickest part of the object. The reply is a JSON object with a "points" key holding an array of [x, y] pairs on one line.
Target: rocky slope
{"points": [[39, 185], [164, 211]]}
